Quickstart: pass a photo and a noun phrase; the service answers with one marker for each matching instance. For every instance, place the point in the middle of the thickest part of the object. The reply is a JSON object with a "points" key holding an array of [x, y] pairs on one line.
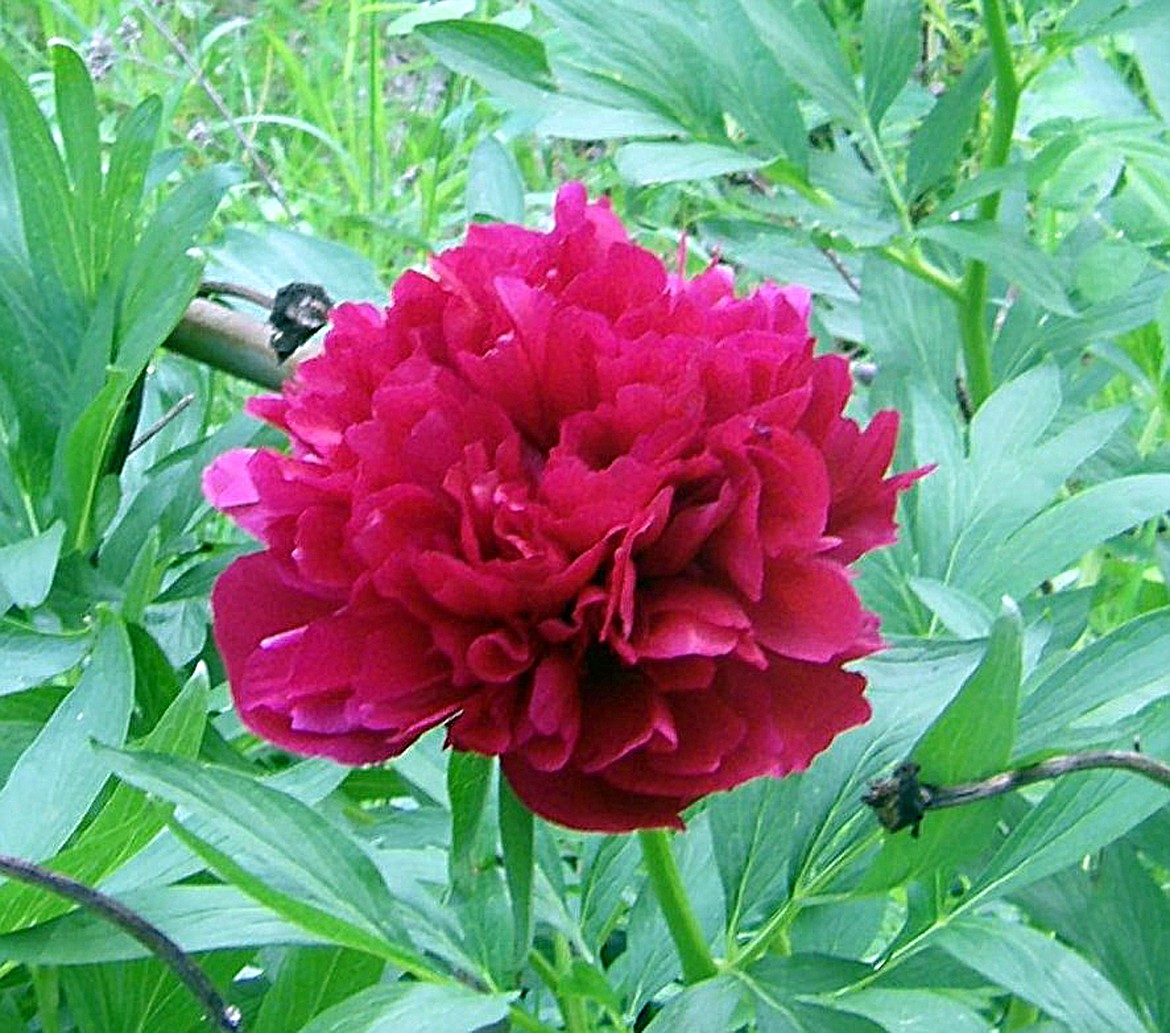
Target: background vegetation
{"points": [[979, 196]]}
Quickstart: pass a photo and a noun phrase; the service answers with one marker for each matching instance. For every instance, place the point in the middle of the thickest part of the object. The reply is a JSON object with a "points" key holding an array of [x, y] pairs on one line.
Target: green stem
{"points": [[913, 262], [973, 307], [697, 963]]}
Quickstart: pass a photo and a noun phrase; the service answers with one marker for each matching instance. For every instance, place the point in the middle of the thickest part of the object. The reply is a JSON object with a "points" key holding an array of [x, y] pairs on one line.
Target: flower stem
{"points": [[972, 314], [223, 1016], [697, 963]]}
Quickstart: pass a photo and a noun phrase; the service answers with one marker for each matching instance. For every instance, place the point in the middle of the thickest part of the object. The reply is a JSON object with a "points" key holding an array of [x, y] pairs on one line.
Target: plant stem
{"points": [[697, 963], [972, 309], [225, 1017], [901, 801]]}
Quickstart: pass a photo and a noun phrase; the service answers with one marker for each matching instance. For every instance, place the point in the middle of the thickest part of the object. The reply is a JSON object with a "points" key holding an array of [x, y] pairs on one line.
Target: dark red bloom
{"points": [[593, 516]]}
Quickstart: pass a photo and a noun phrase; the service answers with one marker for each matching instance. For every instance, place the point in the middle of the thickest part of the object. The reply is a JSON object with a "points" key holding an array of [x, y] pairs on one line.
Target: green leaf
{"points": [[609, 866], [890, 44], [912, 1011], [751, 84], [46, 203], [911, 329], [141, 996], [269, 257], [779, 840], [393, 1007], [495, 187], [1126, 668], [1059, 536], [270, 834], [29, 657], [705, 1007], [78, 118], [469, 778], [125, 824], [805, 46], [972, 738], [1114, 911], [668, 161], [938, 141], [198, 918], [782, 988], [160, 277], [962, 615], [1008, 253], [1079, 814], [1041, 970], [311, 979], [516, 838], [58, 777], [509, 63], [27, 568], [125, 182]]}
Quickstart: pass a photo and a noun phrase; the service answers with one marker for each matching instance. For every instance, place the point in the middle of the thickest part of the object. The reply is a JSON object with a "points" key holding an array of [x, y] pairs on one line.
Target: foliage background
{"points": [[972, 192]]}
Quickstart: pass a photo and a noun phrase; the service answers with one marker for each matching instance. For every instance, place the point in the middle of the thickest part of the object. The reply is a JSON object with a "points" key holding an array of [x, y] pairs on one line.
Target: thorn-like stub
{"points": [[299, 310], [899, 801]]}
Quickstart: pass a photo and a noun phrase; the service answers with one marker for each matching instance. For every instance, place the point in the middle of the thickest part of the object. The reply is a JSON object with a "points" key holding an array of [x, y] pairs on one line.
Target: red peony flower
{"points": [[595, 517]]}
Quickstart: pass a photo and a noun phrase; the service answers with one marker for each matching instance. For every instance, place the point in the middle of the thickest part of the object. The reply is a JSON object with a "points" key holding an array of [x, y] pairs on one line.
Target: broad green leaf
{"points": [[280, 840], [972, 738], [167, 860], [1041, 970], [609, 866], [46, 202], [311, 979], [125, 182], [911, 330], [1079, 814], [1149, 46], [890, 44], [1126, 668], [78, 118], [160, 277], [29, 657], [58, 777], [142, 996], [27, 568], [778, 840], [495, 187], [1116, 913], [653, 55], [509, 63], [270, 256], [783, 990], [962, 615], [469, 779], [125, 824], [198, 918], [752, 86], [705, 1007], [392, 1007], [912, 1011], [516, 838], [938, 141], [1015, 416], [667, 161], [1010, 254], [806, 47], [1059, 536]]}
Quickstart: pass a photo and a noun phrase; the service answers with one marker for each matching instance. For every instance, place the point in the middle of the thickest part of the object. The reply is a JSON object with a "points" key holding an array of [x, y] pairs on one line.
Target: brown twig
{"points": [[901, 801], [161, 422], [226, 1017], [842, 270]]}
